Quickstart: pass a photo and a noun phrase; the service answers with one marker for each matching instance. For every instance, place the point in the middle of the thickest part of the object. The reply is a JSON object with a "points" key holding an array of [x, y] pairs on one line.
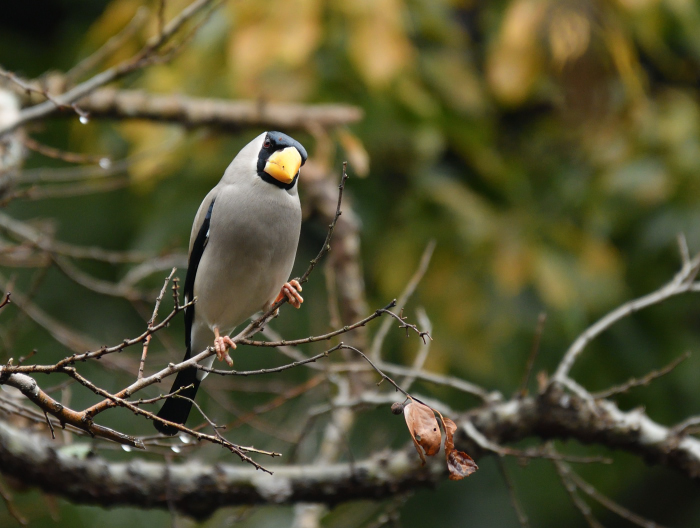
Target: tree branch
{"points": [[217, 113], [198, 490]]}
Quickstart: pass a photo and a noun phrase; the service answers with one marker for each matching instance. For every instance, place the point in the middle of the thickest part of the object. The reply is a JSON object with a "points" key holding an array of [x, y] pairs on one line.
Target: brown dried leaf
{"points": [[423, 427], [459, 463], [450, 430]]}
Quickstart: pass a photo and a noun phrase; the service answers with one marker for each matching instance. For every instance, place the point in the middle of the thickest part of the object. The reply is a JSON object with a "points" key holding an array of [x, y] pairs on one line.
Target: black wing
{"points": [[195, 256], [177, 409]]}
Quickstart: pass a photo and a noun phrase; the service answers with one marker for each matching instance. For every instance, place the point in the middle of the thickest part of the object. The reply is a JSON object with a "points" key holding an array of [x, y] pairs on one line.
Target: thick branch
{"points": [[31, 390], [198, 490], [148, 52], [219, 113]]}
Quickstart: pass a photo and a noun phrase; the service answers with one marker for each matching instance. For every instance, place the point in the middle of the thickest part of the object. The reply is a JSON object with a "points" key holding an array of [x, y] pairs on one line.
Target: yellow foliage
{"points": [[154, 150], [378, 45], [512, 267], [515, 61], [272, 33], [569, 35], [553, 278], [115, 16], [645, 180], [626, 61], [455, 79]]}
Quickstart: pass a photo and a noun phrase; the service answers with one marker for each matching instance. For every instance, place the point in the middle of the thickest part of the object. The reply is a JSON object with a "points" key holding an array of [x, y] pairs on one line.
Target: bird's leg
{"points": [[221, 345], [291, 290]]}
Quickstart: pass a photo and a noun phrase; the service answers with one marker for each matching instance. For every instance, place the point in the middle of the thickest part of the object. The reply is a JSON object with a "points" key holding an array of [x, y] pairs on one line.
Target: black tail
{"points": [[177, 409]]}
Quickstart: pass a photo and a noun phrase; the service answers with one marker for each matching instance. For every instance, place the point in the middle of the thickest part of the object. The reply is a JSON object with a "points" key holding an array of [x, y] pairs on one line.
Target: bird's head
{"points": [[279, 159]]}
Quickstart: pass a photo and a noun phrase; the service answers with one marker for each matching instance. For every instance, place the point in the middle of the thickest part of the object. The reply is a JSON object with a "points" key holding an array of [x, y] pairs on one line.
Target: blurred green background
{"points": [[550, 147]]}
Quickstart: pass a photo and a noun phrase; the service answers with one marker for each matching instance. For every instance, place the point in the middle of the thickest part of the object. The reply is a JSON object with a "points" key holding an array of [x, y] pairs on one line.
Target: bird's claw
{"points": [[221, 346], [290, 290]]}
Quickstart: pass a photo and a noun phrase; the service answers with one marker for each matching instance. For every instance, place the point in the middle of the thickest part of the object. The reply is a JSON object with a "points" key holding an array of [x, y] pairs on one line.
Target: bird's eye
{"points": [[267, 144]]}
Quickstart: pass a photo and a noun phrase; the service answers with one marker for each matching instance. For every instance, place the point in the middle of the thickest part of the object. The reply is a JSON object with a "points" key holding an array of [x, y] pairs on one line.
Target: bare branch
{"points": [[683, 282], [10, 505], [646, 380], [271, 370], [151, 322], [580, 504], [222, 114], [611, 505], [423, 351], [406, 294], [40, 240], [514, 502], [31, 391], [324, 337], [541, 320], [111, 74], [145, 483], [438, 379], [108, 48]]}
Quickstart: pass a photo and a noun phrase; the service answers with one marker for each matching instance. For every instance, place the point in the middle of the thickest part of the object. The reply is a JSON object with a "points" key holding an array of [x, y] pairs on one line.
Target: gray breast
{"points": [[253, 239]]}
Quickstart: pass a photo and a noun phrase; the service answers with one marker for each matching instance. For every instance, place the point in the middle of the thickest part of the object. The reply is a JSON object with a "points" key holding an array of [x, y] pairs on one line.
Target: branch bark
{"points": [[217, 113], [197, 489]]}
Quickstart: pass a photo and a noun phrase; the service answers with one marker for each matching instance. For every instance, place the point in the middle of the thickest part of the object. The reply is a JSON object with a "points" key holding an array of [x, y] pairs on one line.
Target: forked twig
{"points": [[152, 320], [643, 381], [683, 282]]}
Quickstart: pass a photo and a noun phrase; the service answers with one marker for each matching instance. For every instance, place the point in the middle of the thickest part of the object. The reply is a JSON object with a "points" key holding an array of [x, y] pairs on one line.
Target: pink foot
{"points": [[221, 345], [290, 291]]}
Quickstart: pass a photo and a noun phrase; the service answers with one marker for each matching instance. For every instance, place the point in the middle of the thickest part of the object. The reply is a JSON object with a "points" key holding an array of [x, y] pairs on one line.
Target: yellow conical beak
{"points": [[283, 165]]}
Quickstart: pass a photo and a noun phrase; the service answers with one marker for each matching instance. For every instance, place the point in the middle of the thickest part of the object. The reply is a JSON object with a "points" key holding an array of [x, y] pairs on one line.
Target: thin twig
{"points": [[111, 74], [327, 243], [69, 157], [423, 351], [514, 502], [30, 88], [30, 389], [334, 319], [408, 326], [578, 502], [541, 320], [638, 382], [281, 368], [438, 379], [108, 48], [100, 286], [236, 449], [406, 294], [606, 501], [161, 17], [324, 337], [36, 237], [48, 422], [683, 248], [161, 397], [683, 282], [686, 426], [292, 393], [537, 452], [151, 321], [6, 300], [10, 505]]}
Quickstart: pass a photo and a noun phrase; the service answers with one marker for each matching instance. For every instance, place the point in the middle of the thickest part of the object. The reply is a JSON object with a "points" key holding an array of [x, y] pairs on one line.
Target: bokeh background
{"points": [[550, 147]]}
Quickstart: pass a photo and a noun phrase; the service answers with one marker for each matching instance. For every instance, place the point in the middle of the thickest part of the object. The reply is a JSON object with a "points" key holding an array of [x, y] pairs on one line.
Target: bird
{"points": [[242, 248]]}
